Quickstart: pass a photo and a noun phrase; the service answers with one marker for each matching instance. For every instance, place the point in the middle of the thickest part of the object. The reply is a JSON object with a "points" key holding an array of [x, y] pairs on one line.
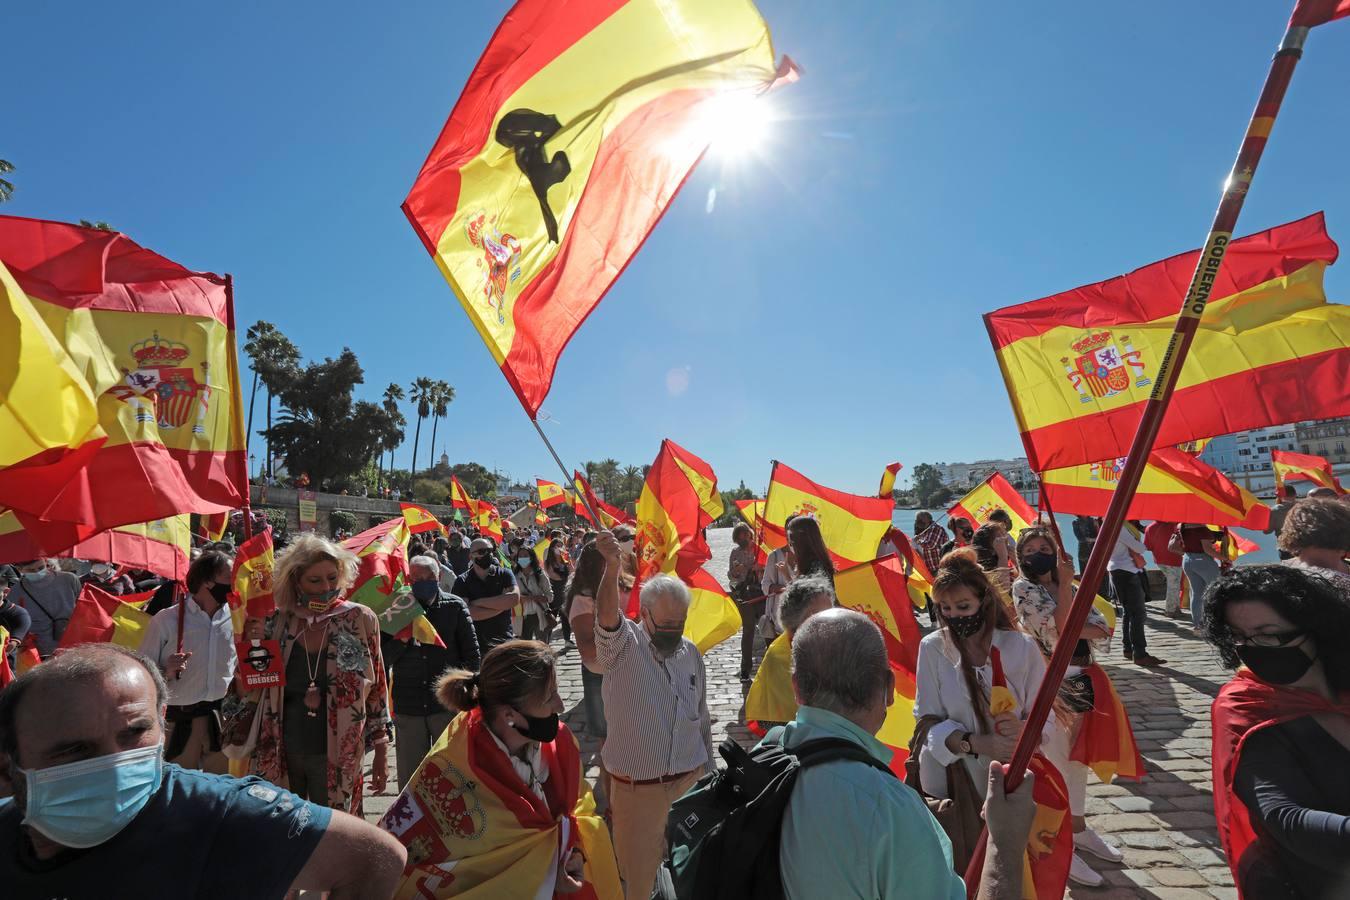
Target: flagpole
{"points": [[1207, 269], [595, 517], [239, 418]]}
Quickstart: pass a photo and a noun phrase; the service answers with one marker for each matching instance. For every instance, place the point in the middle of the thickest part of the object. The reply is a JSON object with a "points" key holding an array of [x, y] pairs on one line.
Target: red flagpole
{"points": [[1193, 307]]}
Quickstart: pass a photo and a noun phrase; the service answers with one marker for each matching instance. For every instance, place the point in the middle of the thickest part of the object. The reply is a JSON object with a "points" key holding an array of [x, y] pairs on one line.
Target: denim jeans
{"points": [[1130, 596], [1200, 571], [593, 702]]}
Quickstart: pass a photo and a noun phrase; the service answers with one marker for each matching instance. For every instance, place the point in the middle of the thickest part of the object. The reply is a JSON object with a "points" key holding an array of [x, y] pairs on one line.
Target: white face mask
{"points": [[626, 546]]}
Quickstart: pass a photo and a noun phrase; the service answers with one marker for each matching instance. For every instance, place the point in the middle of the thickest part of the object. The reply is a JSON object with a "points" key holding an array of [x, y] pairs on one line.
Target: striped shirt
{"points": [[657, 708]]}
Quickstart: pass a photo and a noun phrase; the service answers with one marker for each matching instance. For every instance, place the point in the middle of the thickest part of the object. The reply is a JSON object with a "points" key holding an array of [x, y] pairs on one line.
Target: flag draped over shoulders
{"points": [[474, 829]]}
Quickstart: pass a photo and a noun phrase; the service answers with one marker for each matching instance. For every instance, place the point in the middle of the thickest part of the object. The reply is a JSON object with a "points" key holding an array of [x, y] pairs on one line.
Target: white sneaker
{"points": [[1090, 841], [1081, 873]]}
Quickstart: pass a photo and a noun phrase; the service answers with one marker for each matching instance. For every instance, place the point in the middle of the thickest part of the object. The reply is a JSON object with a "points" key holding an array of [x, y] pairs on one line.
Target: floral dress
{"points": [[357, 705], [1036, 610]]}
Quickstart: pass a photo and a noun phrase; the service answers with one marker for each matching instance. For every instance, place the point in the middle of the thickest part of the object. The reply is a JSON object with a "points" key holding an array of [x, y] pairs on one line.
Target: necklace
{"points": [[312, 667]]}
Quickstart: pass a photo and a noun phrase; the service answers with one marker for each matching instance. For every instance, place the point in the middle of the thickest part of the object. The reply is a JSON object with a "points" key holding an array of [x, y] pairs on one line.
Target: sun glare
{"points": [[740, 125]]}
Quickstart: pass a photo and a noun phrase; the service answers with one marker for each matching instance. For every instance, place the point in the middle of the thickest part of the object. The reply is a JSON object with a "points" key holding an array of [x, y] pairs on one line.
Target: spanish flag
{"points": [[474, 829], [991, 494], [252, 580], [162, 546], [1079, 366], [103, 618], [1105, 742], [610, 516], [153, 345], [488, 520], [1311, 13], [1290, 466], [382, 581], [459, 498], [550, 494], [420, 519], [713, 616], [888, 480], [853, 526], [575, 130], [214, 525], [1176, 487], [540, 518], [752, 511]]}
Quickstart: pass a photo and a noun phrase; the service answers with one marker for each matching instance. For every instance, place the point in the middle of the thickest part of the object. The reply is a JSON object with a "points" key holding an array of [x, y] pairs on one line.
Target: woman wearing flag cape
{"points": [[500, 807]]}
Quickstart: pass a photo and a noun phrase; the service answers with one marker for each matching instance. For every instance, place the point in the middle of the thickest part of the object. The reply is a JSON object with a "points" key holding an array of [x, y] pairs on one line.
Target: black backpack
{"points": [[723, 834]]}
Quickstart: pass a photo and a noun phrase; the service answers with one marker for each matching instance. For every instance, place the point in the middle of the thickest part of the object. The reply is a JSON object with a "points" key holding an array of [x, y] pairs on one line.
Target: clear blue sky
{"points": [[936, 161]]}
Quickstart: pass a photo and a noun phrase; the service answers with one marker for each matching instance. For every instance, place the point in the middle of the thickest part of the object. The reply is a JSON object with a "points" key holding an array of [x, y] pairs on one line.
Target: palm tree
{"points": [[442, 395], [421, 394], [609, 471], [275, 362], [6, 187], [392, 395], [632, 481]]}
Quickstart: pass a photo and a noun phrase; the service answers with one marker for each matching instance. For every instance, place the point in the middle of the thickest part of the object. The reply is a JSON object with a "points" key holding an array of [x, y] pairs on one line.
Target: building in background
{"points": [[961, 476], [1245, 456]]}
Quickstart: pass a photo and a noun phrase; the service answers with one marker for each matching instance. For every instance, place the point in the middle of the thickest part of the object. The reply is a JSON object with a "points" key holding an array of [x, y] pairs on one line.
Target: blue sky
{"points": [[935, 161]]}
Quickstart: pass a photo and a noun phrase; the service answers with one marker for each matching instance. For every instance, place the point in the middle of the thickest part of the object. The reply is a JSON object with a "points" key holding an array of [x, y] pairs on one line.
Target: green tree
{"points": [[100, 225], [430, 490], [730, 514], [275, 362], [441, 396], [928, 486], [420, 394], [6, 186], [321, 430], [342, 520]]}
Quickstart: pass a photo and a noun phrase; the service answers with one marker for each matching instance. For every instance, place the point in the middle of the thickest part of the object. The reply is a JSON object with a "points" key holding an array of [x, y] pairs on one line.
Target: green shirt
{"points": [[851, 831]]}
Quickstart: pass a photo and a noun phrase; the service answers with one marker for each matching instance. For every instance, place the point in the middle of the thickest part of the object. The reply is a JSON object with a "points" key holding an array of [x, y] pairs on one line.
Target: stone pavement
{"points": [[1164, 823]]}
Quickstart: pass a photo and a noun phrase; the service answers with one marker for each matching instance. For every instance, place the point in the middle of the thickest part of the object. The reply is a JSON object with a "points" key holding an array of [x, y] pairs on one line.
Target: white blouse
{"points": [[941, 691]]}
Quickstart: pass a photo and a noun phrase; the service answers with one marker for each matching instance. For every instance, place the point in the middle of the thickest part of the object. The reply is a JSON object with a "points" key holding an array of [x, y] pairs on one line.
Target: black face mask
{"points": [[483, 560], [539, 728], [666, 640], [220, 593], [1275, 665], [965, 626], [1034, 565]]}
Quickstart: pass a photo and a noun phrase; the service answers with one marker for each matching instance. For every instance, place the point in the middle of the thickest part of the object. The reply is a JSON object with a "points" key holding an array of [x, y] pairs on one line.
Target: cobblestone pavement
{"points": [[1164, 823]]}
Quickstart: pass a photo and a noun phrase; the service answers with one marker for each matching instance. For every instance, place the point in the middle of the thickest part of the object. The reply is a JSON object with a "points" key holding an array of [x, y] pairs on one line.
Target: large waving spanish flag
{"points": [[459, 498], [575, 130], [162, 546], [1176, 487], [420, 519], [550, 493], [153, 344], [1290, 466], [994, 493], [1079, 366], [853, 526]]}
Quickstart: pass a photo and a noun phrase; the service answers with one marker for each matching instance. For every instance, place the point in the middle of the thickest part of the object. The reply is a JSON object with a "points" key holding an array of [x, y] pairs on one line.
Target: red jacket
{"points": [[1156, 537]]}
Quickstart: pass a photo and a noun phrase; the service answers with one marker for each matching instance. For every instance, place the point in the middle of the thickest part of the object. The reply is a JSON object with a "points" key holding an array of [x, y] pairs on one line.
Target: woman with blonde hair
{"points": [[311, 734], [500, 807]]}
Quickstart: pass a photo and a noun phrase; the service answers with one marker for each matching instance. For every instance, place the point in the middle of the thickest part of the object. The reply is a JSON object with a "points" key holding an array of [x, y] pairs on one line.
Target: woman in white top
{"points": [[1043, 593], [536, 593]]}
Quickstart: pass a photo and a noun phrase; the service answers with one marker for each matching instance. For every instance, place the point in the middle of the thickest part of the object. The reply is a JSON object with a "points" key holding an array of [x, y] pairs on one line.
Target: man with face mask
{"points": [[491, 592], [458, 553], [419, 718], [97, 813], [192, 642], [660, 733], [49, 596]]}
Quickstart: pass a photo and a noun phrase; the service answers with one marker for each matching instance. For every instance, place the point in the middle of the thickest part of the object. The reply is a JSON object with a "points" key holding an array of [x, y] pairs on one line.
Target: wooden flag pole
{"points": [[1197, 295], [568, 479]]}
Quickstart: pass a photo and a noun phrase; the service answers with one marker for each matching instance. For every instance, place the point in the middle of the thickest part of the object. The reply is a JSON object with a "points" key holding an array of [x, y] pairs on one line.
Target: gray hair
{"points": [[85, 663], [797, 598], [426, 562], [839, 662], [663, 586]]}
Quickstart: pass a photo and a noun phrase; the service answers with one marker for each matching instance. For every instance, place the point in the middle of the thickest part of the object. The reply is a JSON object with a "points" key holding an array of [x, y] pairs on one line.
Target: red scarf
{"points": [[1244, 706]]}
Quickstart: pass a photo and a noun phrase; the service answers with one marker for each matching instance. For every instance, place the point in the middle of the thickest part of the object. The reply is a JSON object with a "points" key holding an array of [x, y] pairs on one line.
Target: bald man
{"points": [[96, 812]]}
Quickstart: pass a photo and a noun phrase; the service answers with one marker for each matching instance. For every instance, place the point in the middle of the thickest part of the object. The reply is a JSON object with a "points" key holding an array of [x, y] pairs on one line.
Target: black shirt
{"points": [[1294, 779], [416, 666], [498, 581], [458, 559], [201, 836]]}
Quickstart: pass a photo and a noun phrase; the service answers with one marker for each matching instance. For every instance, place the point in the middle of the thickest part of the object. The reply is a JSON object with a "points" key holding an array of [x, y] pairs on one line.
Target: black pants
{"points": [[1130, 596]]}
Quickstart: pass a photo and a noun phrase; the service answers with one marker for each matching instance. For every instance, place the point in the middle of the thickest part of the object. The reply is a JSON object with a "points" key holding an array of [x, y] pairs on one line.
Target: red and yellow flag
{"points": [[1290, 466], [713, 616], [888, 480], [1176, 487], [252, 580], [420, 519], [154, 345], [550, 493], [473, 828], [382, 581], [214, 525], [853, 526], [1105, 742], [102, 618], [576, 128], [488, 520], [1311, 13], [162, 546], [459, 498], [1079, 366], [540, 518], [991, 494], [752, 511]]}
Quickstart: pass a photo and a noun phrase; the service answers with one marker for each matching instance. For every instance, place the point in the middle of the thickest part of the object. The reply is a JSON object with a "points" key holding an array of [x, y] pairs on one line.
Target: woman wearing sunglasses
{"points": [[1282, 731]]}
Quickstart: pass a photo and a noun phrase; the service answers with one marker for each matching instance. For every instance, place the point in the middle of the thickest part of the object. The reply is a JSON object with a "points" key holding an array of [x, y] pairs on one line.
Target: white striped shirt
{"points": [[657, 708]]}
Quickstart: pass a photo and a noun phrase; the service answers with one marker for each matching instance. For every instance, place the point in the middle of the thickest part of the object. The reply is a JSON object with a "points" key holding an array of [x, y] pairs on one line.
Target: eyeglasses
{"points": [[1268, 640]]}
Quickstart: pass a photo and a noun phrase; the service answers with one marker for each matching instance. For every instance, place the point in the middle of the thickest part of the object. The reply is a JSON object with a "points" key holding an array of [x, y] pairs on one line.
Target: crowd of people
{"points": [[108, 751]]}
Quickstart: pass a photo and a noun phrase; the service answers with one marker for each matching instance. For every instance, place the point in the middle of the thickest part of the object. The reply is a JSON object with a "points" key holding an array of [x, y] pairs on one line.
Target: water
{"points": [[904, 520]]}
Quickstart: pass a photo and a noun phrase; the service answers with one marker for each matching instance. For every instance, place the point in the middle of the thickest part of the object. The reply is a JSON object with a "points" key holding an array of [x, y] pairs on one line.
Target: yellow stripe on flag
{"points": [[713, 615]]}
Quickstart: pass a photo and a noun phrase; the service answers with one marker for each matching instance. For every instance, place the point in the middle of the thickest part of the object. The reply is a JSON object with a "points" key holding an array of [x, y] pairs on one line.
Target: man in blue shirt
{"points": [[96, 813], [850, 830]]}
